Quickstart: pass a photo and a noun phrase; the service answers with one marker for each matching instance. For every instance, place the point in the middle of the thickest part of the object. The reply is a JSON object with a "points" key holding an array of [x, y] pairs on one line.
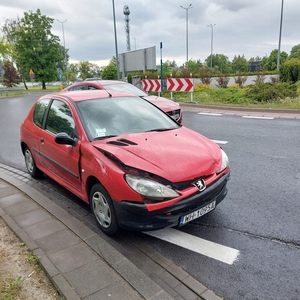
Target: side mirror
{"points": [[64, 139]]}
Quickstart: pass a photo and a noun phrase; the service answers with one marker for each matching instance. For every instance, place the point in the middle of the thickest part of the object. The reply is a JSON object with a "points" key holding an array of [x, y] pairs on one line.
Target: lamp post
{"points": [[187, 34], [135, 42], [211, 42], [116, 42], [280, 29], [65, 62]]}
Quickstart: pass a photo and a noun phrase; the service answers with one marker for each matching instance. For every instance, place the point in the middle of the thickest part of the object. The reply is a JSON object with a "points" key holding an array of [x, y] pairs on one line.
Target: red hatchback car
{"points": [[136, 167], [170, 107]]}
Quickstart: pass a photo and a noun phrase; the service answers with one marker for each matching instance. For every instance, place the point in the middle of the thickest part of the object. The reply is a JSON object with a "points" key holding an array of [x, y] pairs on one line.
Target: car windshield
{"points": [[104, 118], [125, 87]]}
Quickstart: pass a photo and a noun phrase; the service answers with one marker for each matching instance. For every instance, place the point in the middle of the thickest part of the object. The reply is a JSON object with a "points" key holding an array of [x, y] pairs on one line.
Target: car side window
{"points": [[39, 112], [79, 88], [60, 119], [90, 87]]}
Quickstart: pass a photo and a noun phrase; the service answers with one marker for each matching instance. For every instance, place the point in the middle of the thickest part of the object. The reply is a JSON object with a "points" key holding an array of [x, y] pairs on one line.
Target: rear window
{"points": [[39, 112]]}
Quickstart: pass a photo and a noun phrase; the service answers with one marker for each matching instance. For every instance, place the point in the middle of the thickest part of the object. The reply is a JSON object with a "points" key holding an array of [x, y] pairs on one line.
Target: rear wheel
{"points": [[32, 169], [103, 210]]}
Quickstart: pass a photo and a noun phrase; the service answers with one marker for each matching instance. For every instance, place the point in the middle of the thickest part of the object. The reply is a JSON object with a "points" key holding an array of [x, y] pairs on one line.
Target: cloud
{"points": [[249, 28]]}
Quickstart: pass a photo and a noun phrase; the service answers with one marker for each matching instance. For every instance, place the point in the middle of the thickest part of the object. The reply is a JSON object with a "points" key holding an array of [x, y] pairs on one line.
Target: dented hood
{"points": [[177, 155]]}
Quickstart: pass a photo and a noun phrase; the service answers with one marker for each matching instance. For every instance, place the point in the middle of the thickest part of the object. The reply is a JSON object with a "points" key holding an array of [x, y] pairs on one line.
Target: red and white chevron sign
{"points": [[151, 85], [180, 84]]}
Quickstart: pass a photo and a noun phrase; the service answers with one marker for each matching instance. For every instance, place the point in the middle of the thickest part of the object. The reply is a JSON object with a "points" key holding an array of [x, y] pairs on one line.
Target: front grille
{"points": [[175, 114]]}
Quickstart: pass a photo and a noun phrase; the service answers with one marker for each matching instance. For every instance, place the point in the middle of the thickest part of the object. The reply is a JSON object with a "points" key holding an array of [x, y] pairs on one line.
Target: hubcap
{"points": [[29, 161], [101, 209]]}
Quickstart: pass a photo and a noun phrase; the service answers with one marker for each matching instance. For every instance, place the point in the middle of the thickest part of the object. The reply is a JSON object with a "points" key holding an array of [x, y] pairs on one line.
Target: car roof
{"points": [[92, 94], [100, 82]]}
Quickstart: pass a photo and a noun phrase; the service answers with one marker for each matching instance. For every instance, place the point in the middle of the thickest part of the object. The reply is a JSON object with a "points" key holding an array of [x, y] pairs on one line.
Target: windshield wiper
{"points": [[104, 137], [160, 129]]}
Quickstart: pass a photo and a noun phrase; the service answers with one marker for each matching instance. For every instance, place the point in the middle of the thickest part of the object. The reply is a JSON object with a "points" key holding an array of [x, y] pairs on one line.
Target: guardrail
{"points": [[11, 90]]}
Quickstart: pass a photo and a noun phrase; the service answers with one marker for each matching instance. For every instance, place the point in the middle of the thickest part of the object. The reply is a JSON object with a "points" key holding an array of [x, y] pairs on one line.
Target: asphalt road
{"points": [[258, 221]]}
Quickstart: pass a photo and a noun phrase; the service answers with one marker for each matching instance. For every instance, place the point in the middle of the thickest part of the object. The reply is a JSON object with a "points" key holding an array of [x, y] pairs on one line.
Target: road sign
{"points": [[31, 74], [180, 84], [151, 85]]}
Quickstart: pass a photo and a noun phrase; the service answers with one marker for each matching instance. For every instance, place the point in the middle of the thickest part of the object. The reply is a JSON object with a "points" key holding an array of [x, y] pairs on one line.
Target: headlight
{"points": [[149, 188], [225, 162]]}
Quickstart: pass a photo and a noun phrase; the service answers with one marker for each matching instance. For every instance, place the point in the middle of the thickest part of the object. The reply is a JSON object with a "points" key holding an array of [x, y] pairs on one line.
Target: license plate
{"points": [[198, 213]]}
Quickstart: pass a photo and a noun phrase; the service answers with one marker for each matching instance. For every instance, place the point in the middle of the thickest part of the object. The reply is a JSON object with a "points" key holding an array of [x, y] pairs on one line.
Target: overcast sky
{"points": [[242, 27]]}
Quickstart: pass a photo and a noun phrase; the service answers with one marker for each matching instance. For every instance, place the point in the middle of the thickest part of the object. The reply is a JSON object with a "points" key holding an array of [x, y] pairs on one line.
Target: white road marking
{"points": [[220, 142], [209, 114], [213, 250], [258, 117]]}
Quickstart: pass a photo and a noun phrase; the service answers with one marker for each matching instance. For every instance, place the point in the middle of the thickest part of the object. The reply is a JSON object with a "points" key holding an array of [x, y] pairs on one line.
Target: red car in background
{"points": [[170, 107], [136, 167]]}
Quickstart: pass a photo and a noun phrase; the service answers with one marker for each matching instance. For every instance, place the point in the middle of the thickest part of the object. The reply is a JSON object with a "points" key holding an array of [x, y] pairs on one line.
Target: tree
{"points": [[9, 28], [239, 64], [290, 70], [270, 63], [109, 72], [295, 52], [37, 48], [220, 63], [11, 77], [4, 49], [85, 69]]}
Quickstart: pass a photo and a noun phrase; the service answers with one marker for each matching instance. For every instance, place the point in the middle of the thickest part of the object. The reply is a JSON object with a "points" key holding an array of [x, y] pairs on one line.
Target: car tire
{"points": [[103, 210], [31, 167]]}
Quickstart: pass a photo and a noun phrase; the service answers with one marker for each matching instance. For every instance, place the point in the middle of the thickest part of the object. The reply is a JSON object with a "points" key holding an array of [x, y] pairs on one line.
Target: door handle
{"points": [[42, 140]]}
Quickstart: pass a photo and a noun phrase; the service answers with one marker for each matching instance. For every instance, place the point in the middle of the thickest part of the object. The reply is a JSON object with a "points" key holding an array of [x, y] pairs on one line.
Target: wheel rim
{"points": [[101, 209], [29, 161]]}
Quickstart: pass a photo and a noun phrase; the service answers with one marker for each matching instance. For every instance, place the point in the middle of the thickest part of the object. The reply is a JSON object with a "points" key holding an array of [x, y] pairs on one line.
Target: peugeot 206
{"points": [[135, 165]]}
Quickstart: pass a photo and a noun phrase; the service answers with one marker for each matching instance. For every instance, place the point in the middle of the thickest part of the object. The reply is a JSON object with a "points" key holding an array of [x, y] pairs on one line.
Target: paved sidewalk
{"points": [[80, 263]]}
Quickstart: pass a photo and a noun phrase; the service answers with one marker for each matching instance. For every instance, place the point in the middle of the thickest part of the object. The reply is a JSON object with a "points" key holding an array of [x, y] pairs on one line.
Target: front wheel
{"points": [[103, 210], [32, 169]]}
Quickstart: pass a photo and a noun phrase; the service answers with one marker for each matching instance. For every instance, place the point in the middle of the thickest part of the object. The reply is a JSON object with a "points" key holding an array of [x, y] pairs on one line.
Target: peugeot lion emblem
{"points": [[200, 185]]}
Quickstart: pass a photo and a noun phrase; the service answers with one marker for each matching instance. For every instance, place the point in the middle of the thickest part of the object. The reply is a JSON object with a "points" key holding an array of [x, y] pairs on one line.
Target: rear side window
{"points": [[78, 88], [39, 112]]}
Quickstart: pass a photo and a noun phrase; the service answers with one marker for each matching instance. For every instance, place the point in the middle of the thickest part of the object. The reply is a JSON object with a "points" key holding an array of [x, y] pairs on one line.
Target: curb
{"points": [[145, 286]]}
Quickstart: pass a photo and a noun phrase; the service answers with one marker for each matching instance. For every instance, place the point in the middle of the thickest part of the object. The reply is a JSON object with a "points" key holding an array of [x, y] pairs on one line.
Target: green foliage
{"points": [[200, 87], [270, 63], [290, 70], [295, 52], [11, 288], [84, 69], [11, 77], [239, 64], [37, 48], [220, 63], [109, 72], [267, 92]]}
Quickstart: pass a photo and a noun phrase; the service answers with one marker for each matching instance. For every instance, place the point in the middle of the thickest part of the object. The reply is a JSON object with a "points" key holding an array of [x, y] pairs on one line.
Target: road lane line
{"points": [[213, 250], [210, 114], [220, 142], [257, 117]]}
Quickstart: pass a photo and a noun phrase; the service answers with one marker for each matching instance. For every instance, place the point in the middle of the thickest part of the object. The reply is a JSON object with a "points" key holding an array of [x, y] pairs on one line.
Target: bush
{"points": [[290, 70], [267, 92], [200, 87]]}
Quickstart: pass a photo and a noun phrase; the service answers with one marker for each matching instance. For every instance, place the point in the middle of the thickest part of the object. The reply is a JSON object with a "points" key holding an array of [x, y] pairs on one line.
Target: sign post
{"points": [[31, 74]]}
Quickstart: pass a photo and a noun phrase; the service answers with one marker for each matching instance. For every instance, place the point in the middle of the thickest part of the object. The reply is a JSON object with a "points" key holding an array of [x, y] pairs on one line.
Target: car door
{"points": [[61, 161]]}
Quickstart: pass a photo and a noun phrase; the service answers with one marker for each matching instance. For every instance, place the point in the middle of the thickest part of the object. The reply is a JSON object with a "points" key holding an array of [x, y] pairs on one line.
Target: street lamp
{"points": [[212, 41], [135, 42], [187, 34], [116, 42], [280, 29], [65, 61]]}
